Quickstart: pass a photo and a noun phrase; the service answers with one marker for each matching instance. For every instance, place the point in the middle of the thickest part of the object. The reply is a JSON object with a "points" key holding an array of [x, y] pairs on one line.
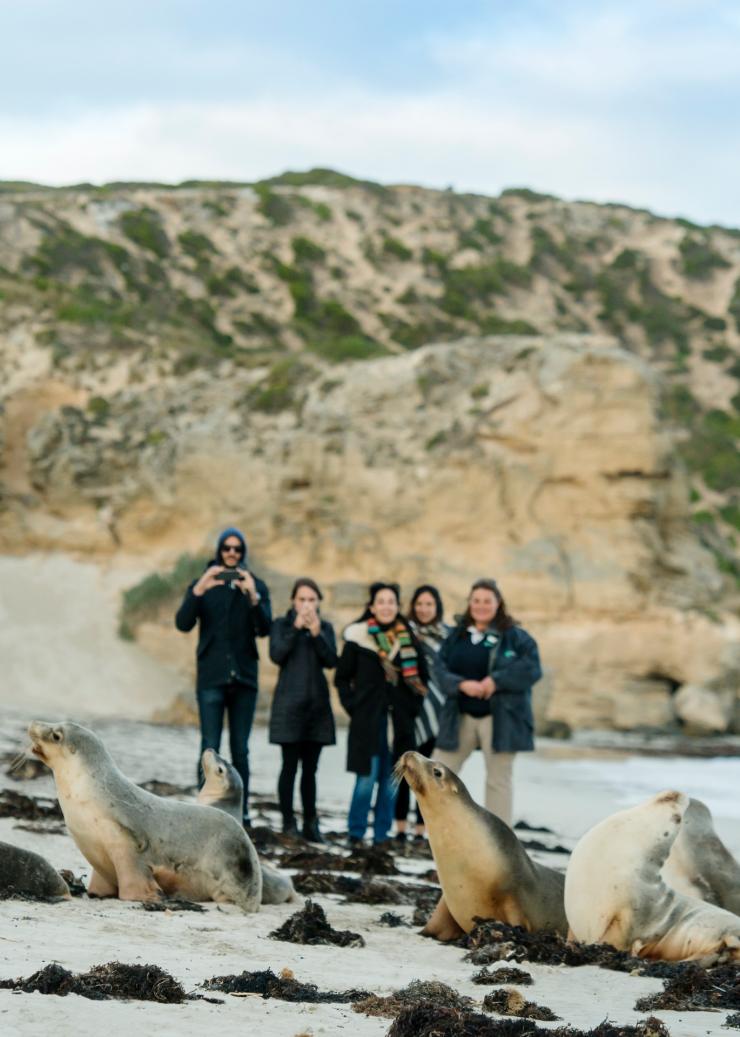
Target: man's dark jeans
{"points": [[239, 702]]}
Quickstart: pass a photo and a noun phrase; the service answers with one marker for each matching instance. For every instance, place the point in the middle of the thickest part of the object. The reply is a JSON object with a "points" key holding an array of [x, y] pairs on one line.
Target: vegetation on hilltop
{"points": [[319, 266]]}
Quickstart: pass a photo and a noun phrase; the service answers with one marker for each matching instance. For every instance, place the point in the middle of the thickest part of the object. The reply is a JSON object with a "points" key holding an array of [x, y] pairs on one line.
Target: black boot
{"points": [[311, 831], [290, 826]]}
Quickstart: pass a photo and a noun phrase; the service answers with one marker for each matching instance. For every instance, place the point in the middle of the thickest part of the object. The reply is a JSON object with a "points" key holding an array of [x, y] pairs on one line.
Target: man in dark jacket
{"points": [[232, 607]]}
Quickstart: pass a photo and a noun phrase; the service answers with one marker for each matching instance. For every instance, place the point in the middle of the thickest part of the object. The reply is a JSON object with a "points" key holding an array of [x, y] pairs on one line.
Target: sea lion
{"points": [[26, 874], [224, 789], [700, 865], [139, 844], [614, 892], [483, 869]]}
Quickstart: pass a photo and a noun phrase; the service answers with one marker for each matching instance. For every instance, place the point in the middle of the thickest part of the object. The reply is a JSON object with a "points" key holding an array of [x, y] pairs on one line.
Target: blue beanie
{"points": [[231, 531]]}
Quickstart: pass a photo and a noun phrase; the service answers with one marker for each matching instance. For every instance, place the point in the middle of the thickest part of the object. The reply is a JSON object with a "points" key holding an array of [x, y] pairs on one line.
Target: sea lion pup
{"points": [[614, 892], [141, 845], [224, 789], [483, 869], [700, 865], [23, 873]]}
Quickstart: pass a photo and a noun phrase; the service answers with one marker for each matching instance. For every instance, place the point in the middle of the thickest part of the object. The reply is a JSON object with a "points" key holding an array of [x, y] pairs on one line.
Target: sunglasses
{"points": [[232, 549]]}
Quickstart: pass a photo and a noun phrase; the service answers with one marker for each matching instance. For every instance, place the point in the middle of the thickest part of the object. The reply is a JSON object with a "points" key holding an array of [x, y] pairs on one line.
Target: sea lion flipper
{"points": [[134, 877], [99, 886], [441, 925]]}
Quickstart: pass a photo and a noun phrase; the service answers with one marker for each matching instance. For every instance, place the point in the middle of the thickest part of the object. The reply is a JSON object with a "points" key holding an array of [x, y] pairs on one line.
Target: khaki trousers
{"points": [[477, 733]]}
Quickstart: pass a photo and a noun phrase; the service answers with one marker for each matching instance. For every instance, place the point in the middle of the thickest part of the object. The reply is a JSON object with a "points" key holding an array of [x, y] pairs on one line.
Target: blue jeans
{"points": [[239, 702], [359, 808]]}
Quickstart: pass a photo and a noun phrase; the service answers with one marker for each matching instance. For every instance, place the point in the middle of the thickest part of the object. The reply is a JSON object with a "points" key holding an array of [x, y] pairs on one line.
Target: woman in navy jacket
{"points": [[487, 667]]}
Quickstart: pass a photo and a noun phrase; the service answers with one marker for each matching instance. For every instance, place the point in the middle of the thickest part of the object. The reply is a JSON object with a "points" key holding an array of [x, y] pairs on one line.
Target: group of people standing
{"points": [[406, 680]]}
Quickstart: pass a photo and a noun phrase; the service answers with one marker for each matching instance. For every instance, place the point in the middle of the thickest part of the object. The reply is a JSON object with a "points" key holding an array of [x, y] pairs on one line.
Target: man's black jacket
{"points": [[229, 627]]}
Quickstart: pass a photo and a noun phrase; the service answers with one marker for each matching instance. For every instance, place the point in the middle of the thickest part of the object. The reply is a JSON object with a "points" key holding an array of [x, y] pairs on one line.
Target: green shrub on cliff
{"points": [[469, 287], [144, 228], [698, 259], [156, 592], [278, 391]]}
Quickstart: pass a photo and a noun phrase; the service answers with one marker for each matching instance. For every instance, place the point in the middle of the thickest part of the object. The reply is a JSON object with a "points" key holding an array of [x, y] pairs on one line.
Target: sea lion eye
{"points": [[56, 736], [438, 772], [221, 770]]}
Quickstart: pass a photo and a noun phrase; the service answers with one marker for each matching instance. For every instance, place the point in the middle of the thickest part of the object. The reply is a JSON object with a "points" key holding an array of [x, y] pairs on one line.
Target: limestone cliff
{"points": [[175, 358]]}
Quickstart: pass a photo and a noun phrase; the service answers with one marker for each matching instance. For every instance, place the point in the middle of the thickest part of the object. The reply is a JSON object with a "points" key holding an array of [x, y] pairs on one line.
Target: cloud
{"points": [[631, 102]]}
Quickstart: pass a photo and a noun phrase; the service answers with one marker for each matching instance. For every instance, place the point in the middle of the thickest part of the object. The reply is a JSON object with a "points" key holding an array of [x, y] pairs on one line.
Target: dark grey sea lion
{"points": [[224, 789], [700, 865], [24, 873], [483, 869], [141, 845]]}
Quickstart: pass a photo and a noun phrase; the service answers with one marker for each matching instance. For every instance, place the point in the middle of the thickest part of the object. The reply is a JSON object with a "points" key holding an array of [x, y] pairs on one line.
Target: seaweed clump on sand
{"points": [[310, 926], [171, 904], [417, 992], [29, 808], [366, 891], [369, 860], [103, 983], [511, 1002], [694, 989], [492, 941], [392, 920], [427, 1019], [504, 975], [284, 987]]}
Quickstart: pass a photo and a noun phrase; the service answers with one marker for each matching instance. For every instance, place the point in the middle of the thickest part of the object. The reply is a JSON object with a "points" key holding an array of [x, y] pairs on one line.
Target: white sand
{"points": [[567, 795]]}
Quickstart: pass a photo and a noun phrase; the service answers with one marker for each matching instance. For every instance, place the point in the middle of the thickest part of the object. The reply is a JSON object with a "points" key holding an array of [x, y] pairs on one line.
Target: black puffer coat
{"points": [[229, 626], [301, 710], [367, 696]]}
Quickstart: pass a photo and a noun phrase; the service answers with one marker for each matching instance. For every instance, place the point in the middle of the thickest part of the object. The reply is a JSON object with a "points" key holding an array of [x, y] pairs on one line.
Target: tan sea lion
{"points": [[27, 874], [614, 892], [224, 789], [139, 844], [700, 865], [483, 869]]}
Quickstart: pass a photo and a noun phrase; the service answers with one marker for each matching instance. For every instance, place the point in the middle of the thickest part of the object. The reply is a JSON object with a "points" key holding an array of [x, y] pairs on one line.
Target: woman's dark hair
{"points": [[502, 620], [373, 590], [427, 588], [306, 581]]}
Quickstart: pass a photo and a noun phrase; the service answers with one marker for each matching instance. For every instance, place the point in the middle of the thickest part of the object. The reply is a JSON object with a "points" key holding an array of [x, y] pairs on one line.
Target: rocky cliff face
{"points": [[175, 359]]}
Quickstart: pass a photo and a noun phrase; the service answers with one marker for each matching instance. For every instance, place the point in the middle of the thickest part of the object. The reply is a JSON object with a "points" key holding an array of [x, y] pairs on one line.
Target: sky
{"points": [[626, 101]]}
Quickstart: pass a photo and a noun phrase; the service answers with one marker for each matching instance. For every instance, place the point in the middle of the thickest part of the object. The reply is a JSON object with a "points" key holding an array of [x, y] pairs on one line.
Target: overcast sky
{"points": [[612, 101]]}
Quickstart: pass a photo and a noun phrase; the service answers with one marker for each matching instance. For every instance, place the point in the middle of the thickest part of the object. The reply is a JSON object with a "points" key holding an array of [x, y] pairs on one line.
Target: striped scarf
{"points": [[409, 662]]}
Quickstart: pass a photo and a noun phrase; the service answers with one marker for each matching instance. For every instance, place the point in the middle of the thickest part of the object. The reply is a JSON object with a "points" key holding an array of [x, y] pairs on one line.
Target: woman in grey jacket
{"points": [[301, 719], [425, 615], [487, 667]]}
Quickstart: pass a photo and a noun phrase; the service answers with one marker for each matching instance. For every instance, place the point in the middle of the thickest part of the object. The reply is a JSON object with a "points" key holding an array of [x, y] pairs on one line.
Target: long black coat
{"points": [[366, 696], [301, 709], [229, 627]]}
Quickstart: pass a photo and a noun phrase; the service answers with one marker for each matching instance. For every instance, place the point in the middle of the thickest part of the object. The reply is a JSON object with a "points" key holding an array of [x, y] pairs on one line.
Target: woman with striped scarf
{"points": [[382, 681], [425, 615]]}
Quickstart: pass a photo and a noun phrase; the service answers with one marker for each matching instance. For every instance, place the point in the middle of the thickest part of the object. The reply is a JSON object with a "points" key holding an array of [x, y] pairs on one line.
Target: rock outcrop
{"points": [[539, 460]]}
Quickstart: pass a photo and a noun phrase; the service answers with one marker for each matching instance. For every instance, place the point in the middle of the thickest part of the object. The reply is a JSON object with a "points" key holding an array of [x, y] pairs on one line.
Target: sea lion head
{"points": [[56, 743], [428, 777], [223, 782]]}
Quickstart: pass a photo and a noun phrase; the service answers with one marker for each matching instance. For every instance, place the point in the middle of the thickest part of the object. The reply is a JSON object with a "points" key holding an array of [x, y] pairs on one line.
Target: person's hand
{"points": [[208, 580], [472, 688], [312, 622], [299, 622], [246, 585], [488, 687]]}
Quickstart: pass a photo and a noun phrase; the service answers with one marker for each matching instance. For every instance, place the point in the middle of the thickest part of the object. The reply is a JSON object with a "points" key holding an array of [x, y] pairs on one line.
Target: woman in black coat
{"points": [[301, 721], [381, 676]]}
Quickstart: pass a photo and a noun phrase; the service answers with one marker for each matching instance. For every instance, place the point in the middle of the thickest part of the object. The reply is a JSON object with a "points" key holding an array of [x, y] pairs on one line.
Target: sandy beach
{"points": [[562, 788]]}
